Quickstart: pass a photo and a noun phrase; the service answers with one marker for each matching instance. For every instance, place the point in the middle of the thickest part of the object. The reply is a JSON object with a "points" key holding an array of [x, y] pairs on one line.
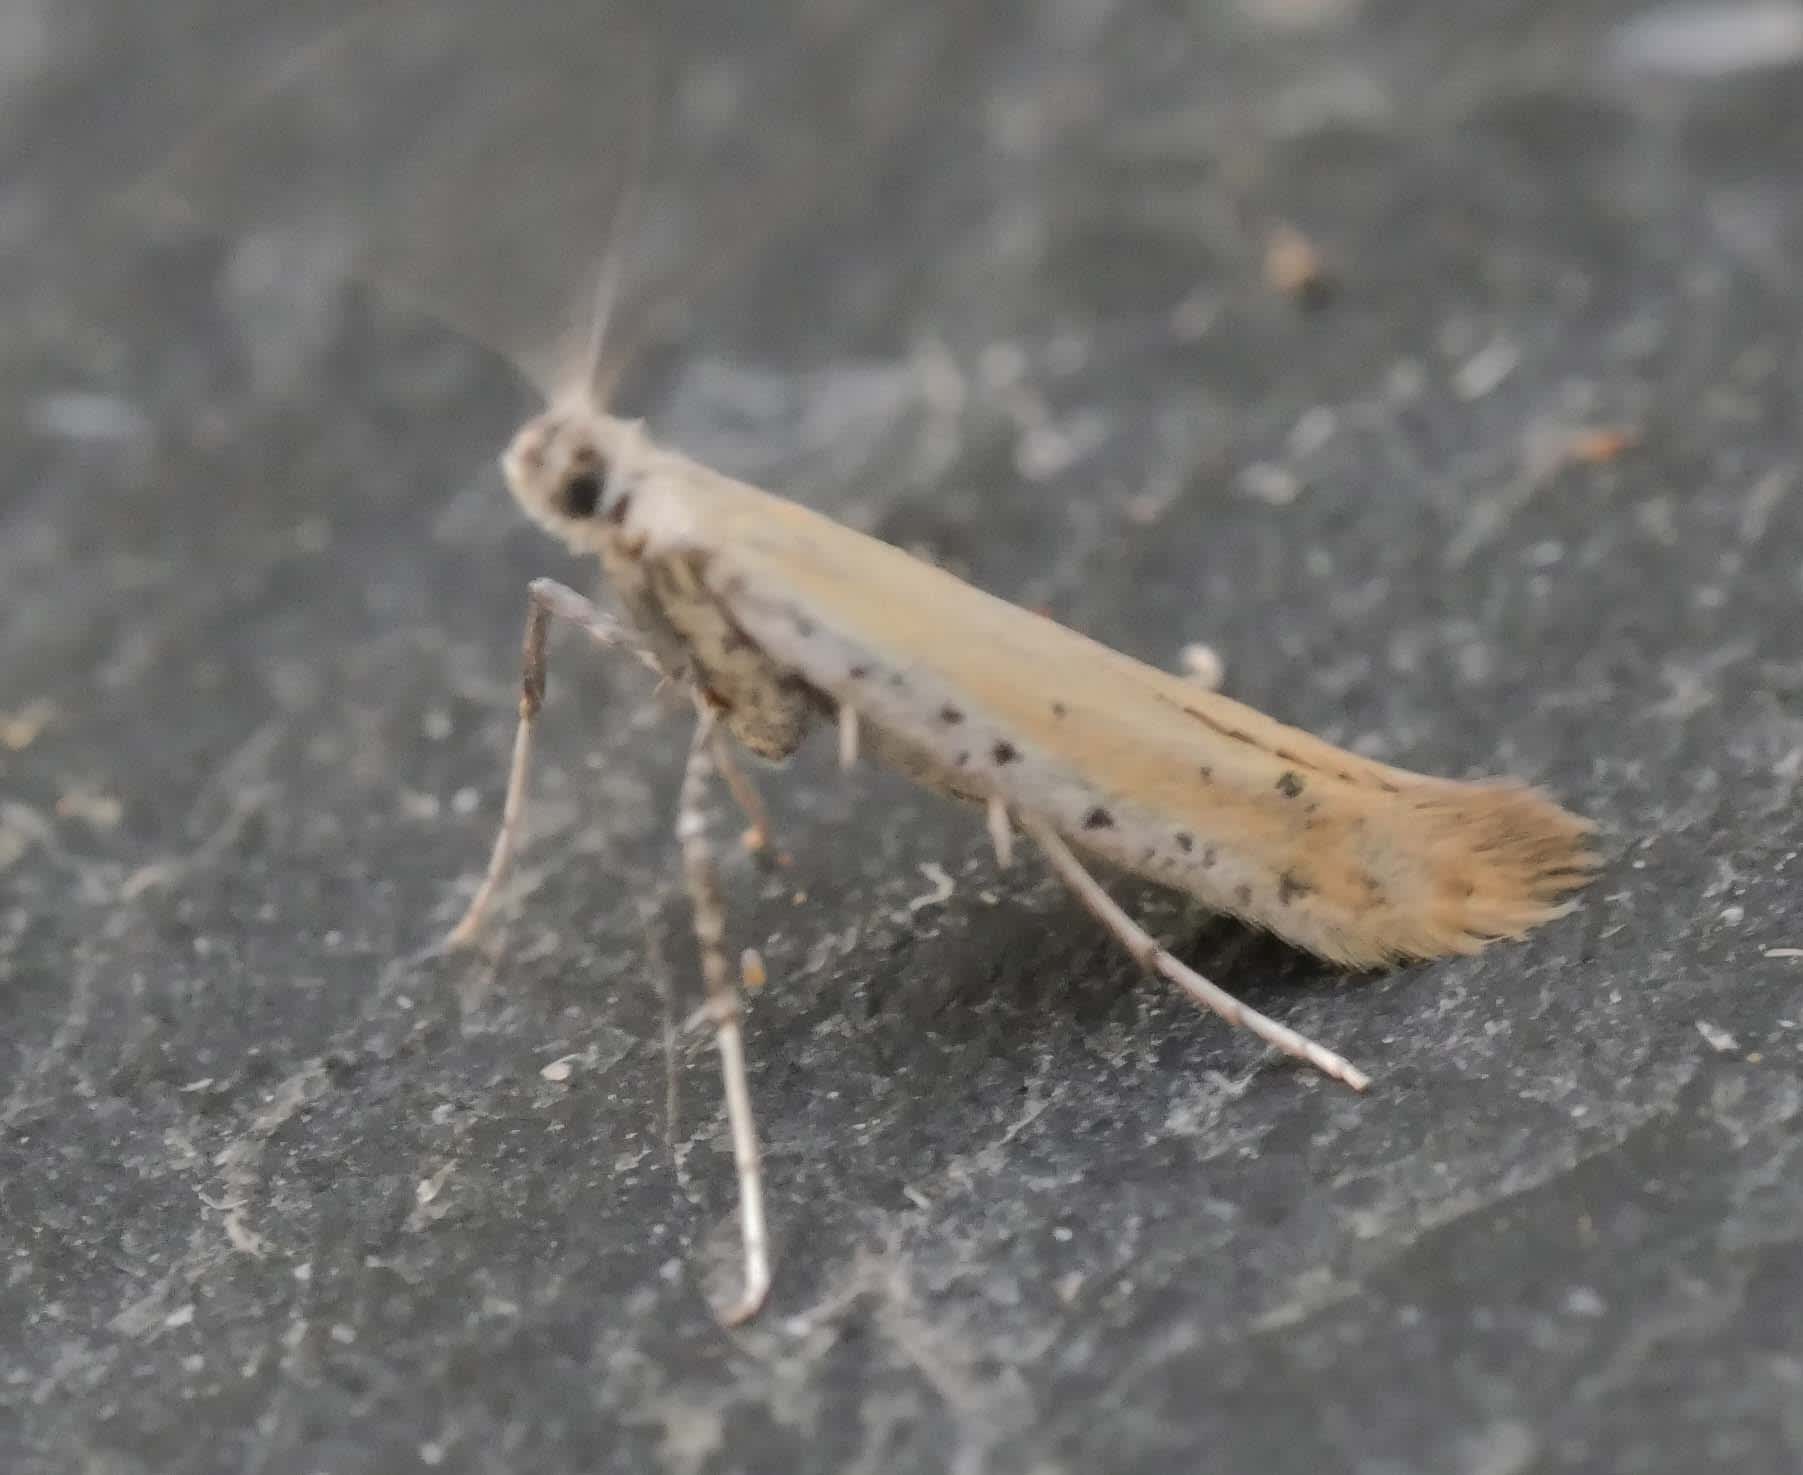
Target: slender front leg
{"points": [[1151, 956], [545, 598], [722, 1009]]}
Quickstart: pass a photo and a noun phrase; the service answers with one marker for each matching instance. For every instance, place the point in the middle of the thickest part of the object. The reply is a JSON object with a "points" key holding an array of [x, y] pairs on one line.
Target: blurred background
{"points": [[1436, 366]]}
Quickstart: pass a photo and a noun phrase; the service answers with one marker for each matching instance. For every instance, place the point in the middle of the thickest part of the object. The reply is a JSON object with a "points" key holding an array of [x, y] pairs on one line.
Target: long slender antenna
{"points": [[599, 376]]}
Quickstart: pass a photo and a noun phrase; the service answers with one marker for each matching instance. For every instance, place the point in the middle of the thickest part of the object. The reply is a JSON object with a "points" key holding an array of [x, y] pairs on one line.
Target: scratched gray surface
{"points": [[270, 1203]]}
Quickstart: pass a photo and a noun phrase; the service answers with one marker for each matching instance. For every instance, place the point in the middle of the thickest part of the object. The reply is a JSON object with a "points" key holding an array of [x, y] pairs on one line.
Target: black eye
{"points": [[581, 495]]}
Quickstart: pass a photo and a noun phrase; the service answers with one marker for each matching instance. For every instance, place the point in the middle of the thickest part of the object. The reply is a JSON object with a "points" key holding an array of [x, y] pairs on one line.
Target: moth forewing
{"points": [[1355, 860]]}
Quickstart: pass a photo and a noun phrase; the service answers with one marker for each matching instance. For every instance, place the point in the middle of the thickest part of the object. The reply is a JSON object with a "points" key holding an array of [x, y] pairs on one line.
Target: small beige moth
{"points": [[777, 618]]}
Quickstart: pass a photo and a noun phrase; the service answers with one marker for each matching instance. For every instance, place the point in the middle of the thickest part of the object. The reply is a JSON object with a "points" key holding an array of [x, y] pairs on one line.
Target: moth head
{"points": [[571, 469]]}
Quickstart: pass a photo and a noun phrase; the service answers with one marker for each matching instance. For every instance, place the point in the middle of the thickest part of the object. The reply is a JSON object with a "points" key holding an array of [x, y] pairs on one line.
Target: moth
{"points": [[778, 620]]}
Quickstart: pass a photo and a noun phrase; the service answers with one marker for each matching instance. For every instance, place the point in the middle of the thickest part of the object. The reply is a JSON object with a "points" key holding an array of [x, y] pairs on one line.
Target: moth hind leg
{"points": [[1155, 959]]}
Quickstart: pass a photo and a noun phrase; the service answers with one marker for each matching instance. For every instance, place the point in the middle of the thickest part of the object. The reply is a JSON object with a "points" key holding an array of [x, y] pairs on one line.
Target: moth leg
{"points": [[744, 792], [1151, 956], [1001, 830], [722, 1010], [545, 598], [848, 737]]}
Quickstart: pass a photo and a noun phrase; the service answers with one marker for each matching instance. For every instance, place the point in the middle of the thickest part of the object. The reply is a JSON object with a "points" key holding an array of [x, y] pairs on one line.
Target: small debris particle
{"points": [[1784, 952], [19, 730], [1098, 819], [752, 972], [561, 1069], [1291, 784], [179, 1317], [1600, 444], [1295, 269]]}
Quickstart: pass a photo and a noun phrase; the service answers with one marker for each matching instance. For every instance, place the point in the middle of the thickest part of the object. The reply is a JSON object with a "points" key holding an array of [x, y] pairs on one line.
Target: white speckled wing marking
{"points": [[1355, 860]]}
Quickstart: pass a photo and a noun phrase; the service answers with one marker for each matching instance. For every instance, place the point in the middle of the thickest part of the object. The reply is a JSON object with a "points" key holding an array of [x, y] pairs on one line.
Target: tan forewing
{"points": [[1355, 859]]}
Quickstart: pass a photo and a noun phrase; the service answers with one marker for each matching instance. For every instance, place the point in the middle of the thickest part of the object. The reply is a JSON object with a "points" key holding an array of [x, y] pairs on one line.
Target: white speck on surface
{"points": [[1719, 1039], [1000, 366], [1783, 952], [88, 418], [1763, 500], [179, 1317], [1486, 369], [1313, 430], [465, 801], [1271, 484], [428, 1189], [98, 811], [1195, 315], [1044, 451], [941, 892], [1709, 40], [415, 805], [1733, 916], [1405, 381]]}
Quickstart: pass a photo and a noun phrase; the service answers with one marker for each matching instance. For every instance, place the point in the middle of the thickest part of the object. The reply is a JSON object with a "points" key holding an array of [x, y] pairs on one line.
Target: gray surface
{"points": [[1032, 1212]]}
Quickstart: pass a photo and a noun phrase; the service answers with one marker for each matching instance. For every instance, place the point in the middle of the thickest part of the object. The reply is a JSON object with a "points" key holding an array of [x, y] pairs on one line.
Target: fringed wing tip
{"points": [[1469, 864]]}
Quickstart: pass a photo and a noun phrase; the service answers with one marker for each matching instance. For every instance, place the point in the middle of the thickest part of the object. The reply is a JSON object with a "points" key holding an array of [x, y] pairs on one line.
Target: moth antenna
{"points": [[763, 213], [144, 191], [600, 376]]}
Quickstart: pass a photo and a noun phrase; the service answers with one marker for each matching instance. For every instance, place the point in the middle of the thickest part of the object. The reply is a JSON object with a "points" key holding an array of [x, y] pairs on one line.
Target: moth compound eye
{"points": [[581, 495]]}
